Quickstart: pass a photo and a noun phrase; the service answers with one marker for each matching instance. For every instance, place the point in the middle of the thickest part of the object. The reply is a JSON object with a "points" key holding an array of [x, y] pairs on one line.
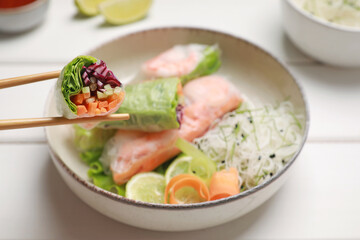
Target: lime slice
{"points": [[147, 187], [124, 11], [88, 7], [178, 166]]}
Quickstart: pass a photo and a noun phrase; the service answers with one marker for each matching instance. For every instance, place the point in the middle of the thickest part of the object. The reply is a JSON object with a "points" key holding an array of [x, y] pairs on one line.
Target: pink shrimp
{"points": [[178, 61], [208, 98]]}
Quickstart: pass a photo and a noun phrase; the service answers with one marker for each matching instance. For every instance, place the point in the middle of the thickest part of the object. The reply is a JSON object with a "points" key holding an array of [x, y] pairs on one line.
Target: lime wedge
{"points": [[124, 11], [179, 166], [147, 187], [88, 7]]}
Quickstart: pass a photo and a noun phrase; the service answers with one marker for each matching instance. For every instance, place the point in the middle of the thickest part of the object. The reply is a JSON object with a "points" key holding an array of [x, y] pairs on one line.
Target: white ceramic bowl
{"points": [[256, 73], [327, 42], [23, 18]]}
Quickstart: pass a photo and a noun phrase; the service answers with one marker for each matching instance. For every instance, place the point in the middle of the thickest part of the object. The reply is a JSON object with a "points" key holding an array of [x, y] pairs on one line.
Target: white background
{"points": [[321, 199]]}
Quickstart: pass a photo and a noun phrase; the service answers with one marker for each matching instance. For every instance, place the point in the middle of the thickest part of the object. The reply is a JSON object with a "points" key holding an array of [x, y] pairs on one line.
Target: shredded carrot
{"points": [[87, 95], [103, 104], [121, 95], [81, 109], [179, 89], [112, 105], [92, 108], [113, 98], [185, 180], [224, 184], [78, 99]]}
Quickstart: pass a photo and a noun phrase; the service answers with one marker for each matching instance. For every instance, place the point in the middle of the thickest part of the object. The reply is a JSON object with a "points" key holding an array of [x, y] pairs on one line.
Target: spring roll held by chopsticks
{"points": [[87, 88]]}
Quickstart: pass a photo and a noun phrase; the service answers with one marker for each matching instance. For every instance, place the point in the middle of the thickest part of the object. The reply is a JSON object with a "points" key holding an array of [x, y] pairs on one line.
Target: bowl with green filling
{"points": [[326, 30], [215, 126]]}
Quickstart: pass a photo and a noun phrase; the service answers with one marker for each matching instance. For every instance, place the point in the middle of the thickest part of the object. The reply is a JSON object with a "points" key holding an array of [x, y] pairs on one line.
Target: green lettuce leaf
{"points": [[100, 179], [151, 105], [211, 63], [71, 81], [90, 143]]}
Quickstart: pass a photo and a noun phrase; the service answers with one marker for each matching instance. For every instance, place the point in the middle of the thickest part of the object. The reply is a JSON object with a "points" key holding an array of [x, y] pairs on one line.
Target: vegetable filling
{"points": [[179, 113], [102, 91]]}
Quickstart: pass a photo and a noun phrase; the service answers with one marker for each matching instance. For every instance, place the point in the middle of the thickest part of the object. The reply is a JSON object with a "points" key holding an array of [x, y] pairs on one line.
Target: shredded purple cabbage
{"points": [[102, 74], [179, 113]]}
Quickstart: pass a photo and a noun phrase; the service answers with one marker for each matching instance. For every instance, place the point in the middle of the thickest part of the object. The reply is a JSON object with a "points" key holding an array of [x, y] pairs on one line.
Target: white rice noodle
{"points": [[256, 141]]}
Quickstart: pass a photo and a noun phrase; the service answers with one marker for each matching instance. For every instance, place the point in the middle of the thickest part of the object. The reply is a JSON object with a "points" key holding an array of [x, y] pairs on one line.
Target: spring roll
{"points": [[87, 88], [184, 61], [153, 106]]}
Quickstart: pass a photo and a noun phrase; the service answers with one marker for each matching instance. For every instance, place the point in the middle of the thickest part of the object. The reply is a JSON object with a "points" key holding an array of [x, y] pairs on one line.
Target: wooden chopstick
{"points": [[15, 81], [52, 121]]}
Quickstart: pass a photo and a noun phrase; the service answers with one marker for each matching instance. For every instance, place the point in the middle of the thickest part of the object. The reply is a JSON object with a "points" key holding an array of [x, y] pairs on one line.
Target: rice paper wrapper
{"points": [[152, 105], [184, 61], [210, 63]]}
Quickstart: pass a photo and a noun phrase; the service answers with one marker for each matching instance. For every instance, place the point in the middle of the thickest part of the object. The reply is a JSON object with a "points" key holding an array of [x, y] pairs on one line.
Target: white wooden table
{"points": [[321, 200]]}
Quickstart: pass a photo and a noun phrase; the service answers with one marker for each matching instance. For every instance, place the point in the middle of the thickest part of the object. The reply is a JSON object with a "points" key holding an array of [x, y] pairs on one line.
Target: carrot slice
{"points": [[103, 104], [87, 95], [179, 89], [185, 180], [112, 105], [78, 99], [81, 109], [121, 95], [92, 108], [224, 184], [97, 111], [112, 97]]}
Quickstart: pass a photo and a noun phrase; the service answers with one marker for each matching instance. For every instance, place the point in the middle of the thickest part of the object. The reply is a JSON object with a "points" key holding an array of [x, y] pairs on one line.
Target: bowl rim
{"points": [[23, 8], [320, 21], [118, 198]]}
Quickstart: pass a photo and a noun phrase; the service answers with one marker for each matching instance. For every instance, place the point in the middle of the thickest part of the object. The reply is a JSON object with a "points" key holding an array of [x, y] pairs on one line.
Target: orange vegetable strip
{"points": [[97, 111], [112, 97], [179, 89], [91, 108], [224, 184], [86, 95], [112, 105], [103, 110], [120, 98], [103, 104], [81, 109], [185, 180], [78, 99], [122, 95]]}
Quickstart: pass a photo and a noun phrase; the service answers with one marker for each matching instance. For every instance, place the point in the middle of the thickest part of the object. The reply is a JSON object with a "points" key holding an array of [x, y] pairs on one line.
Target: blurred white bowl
{"points": [[325, 41], [19, 19]]}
